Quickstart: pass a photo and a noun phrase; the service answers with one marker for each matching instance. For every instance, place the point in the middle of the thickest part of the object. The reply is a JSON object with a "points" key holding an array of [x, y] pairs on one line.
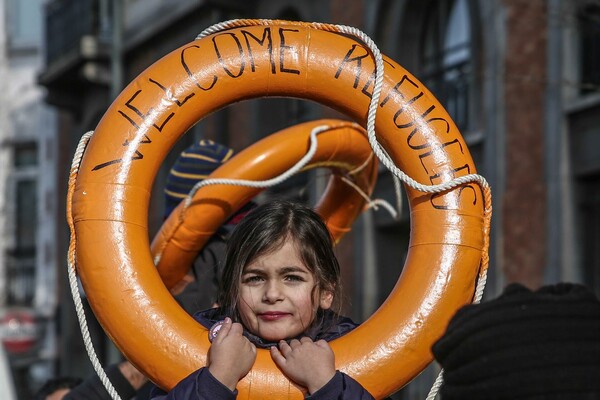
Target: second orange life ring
{"points": [[343, 147]]}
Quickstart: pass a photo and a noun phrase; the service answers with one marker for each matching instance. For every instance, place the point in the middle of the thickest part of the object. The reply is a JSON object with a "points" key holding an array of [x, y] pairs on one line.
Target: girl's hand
{"points": [[231, 355], [309, 364]]}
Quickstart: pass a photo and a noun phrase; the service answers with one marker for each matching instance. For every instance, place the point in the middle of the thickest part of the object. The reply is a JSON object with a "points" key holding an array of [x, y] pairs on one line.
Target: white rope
{"points": [[219, 27], [436, 386], [374, 204], [379, 151], [480, 287], [75, 287]]}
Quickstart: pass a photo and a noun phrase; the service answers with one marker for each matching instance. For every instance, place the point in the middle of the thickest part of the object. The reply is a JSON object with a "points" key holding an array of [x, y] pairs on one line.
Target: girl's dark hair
{"points": [[265, 229]]}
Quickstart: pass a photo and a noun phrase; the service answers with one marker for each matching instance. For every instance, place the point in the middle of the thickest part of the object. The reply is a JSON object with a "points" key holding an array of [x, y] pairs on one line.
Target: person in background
{"points": [[55, 389], [125, 378], [526, 345], [198, 290]]}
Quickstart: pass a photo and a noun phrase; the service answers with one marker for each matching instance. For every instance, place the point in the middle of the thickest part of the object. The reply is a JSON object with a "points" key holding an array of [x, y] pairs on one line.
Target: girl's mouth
{"points": [[273, 315]]}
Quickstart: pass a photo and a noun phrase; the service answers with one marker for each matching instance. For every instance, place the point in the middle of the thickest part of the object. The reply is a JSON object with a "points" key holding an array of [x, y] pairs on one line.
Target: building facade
{"points": [[519, 78], [28, 186]]}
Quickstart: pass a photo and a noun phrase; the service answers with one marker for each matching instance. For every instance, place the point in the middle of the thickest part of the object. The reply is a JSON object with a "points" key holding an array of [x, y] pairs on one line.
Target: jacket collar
{"points": [[328, 326]]}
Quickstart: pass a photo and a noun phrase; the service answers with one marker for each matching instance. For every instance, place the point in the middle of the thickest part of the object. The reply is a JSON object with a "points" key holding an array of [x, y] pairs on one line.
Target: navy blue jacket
{"points": [[201, 385]]}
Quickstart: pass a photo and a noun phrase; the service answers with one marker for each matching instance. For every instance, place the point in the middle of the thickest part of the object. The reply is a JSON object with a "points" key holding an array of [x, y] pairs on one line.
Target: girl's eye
{"points": [[253, 279], [294, 278]]}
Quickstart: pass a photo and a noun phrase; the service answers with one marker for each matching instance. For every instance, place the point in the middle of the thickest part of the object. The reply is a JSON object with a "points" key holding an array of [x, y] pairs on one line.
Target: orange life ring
{"points": [[276, 59], [343, 148]]}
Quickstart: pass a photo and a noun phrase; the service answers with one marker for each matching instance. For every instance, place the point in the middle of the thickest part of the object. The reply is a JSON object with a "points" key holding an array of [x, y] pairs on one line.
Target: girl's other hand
{"points": [[309, 364], [231, 355]]}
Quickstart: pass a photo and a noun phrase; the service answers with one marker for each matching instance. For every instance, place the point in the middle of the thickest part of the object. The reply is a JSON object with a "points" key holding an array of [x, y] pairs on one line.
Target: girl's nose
{"points": [[272, 293]]}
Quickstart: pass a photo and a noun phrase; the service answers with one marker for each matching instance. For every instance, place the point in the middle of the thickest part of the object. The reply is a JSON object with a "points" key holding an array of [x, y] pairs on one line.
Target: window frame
{"points": [[21, 260], [23, 39]]}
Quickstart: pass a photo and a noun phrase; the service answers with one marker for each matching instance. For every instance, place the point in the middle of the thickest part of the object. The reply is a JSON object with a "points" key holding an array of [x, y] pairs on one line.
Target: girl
{"points": [[280, 291]]}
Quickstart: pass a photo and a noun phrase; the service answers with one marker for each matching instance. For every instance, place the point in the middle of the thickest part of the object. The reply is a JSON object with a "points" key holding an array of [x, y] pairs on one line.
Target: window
{"points": [[584, 142], [24, 22], [25, 155], [22, 254], [589, 223], [445, 64], [589, 49]]}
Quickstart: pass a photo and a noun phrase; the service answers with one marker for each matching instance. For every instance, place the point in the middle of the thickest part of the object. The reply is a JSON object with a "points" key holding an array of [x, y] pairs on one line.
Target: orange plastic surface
{"points": [[110, 202]]}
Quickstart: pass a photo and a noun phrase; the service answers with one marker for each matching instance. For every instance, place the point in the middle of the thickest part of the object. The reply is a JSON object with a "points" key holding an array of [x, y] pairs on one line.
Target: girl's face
{"points": [[277, 300]]}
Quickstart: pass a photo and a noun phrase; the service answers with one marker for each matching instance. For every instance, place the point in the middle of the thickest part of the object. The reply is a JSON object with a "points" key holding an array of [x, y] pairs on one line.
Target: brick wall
{"points": [[524, 203], [347, 13]]}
